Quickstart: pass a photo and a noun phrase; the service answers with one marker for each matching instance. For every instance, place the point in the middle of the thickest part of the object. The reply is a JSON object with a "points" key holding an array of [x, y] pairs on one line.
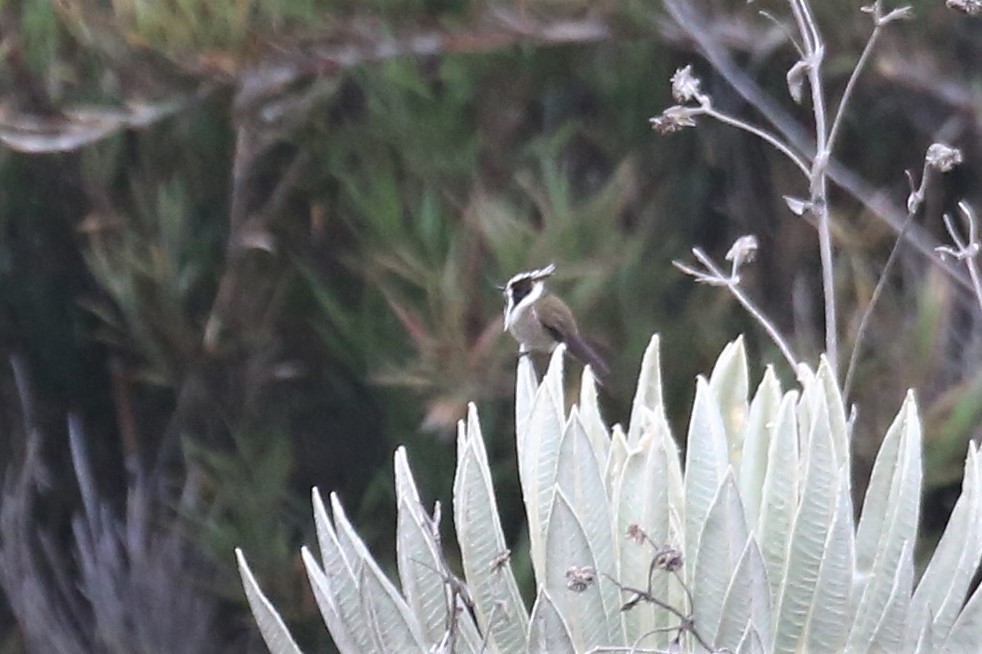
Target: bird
{"points": [[540, 321]]}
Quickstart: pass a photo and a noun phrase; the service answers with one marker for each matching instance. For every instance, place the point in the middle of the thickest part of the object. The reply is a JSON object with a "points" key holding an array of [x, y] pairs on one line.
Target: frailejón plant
{"points": [[751, 547]]}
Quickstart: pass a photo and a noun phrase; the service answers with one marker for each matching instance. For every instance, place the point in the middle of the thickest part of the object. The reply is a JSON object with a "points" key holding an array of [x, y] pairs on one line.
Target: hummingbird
{"points": [[540, 321]]}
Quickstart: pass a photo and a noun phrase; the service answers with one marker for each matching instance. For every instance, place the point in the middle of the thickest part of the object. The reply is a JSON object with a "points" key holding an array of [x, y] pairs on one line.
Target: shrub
{"points": [[754, 548]]}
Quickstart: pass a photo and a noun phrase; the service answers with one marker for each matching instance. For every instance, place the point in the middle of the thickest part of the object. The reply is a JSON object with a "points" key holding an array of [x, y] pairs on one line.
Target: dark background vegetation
{"points": [[249, 246]]}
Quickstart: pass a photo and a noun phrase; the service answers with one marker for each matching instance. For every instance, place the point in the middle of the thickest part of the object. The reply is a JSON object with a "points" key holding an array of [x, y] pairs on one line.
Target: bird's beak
{"points": [[500, 288]]}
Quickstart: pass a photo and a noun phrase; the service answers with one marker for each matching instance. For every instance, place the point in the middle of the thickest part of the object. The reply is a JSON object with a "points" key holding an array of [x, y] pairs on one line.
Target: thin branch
{"points": [[879, 21], [966, 252], [704, 40], [784, 28], [914, 202], [874, 298], [718, 278], [818, 182], [763, 134], [851, 84], [807, 37]]}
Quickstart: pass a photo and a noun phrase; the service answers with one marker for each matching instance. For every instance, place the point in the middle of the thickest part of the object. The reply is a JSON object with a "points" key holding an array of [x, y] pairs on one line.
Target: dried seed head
{"points": [[578, 579], [636, 533], [685, 85], [796, 77], [669, 559], [969, 7], [674, 119], [743, 250], [943, 157]]}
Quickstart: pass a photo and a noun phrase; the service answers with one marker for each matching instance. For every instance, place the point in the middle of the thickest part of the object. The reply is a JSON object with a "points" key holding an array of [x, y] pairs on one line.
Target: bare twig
{"points": [[879, 21], [811, 48], [715, 277], [868, 311], [939, 158], [762, 134], [965, 251]]}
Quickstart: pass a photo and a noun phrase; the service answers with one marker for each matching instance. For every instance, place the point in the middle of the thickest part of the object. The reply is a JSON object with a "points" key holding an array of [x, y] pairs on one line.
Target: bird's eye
{"points": [[520, 289]]}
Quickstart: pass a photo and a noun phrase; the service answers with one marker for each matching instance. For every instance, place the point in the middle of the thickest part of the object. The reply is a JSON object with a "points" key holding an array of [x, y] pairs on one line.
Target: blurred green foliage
{"points": [[269, 255]]}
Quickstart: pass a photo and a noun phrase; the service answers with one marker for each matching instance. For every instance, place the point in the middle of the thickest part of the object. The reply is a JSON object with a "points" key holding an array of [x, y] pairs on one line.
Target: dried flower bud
{"points": [[674, 119], [636, 533], [969, 7], [669, 559], [743, 250], [578, 579], [797, 206], [943, 157], [685, 85], [796, 80]]}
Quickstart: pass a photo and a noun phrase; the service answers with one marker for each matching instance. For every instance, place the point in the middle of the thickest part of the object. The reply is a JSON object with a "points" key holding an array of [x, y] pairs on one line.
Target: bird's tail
{"points": [[585, 354]]}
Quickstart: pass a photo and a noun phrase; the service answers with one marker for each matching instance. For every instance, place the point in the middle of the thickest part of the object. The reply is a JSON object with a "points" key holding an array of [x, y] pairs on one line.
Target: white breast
{"points": [[528, 331]]}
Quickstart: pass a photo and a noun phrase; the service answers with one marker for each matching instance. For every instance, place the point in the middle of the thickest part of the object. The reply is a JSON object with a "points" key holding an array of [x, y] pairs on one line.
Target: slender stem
{"points": [[806, 34], [973, 272], [812, 26], [828, 279], [819, 197], [973, 242], [751, 308], [850, 85], [762, 134], [877, 291]]}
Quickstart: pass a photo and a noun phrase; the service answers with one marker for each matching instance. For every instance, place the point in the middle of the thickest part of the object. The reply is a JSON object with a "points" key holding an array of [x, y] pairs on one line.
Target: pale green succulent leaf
{"points": [[591, 621], [538, 460], [747, 605], [388, 615], [581, 482], [526, 385], [763, 517], [393, 617], [888, 636], [389, 619], [809, 533], [593, 422], [966, 633], [649, 390], [891, 507], [555, 377], [832, 610], [333, 550], [751, 643], [720, 547], [756, 443], [340, 577], [706, 462], [889, 520], [615, 458], [730, 383], [838, 421], [946, 580], [484, 555], [271, 626], [548, 631], [324, 596], [779, 492], [649, 494], [419, 560]]}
